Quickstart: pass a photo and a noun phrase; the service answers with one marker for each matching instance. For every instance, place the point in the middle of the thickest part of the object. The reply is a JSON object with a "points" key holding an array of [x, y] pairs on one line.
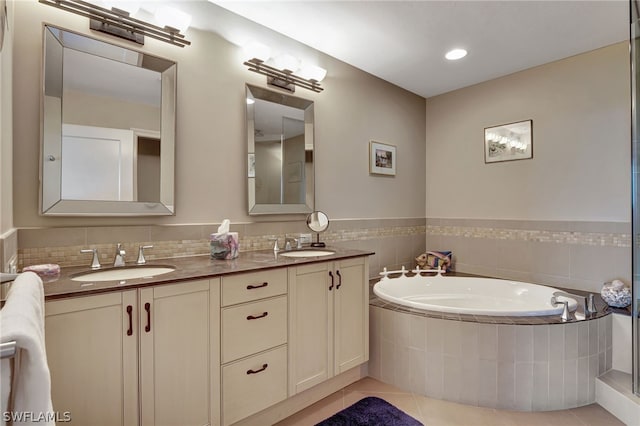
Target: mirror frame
{"points": [[51, 202], [307, 106]]}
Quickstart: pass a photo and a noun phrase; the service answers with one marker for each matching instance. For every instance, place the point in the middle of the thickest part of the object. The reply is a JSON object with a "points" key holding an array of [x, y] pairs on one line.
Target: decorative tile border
{"points": [[543, 236]]}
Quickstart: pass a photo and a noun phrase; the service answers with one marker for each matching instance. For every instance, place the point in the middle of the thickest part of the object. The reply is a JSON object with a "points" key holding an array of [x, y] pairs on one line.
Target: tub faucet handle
{"points": [[591, 304], [566, 315]]}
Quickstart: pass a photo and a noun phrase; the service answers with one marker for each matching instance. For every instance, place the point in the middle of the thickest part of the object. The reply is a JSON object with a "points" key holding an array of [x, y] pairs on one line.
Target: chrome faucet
{"points": [[119, 259], [95, 261], [586, 306], [276, 247], [289, 240], [566, 315], [141, 259]]}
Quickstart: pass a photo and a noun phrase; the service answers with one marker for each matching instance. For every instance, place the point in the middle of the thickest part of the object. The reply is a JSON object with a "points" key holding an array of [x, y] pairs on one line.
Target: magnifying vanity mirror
{"points": [[318, 222], [108, 129], [280, 143]]}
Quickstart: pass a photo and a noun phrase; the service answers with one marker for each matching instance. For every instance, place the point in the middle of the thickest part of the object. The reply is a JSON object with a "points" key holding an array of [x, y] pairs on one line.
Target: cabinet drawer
{"points": [[253, 327], [253, 286], [253, 384]]}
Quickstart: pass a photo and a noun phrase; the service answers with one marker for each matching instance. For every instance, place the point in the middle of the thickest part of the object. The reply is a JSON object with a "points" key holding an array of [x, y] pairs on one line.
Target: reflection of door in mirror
{"points": [[97, 163]]}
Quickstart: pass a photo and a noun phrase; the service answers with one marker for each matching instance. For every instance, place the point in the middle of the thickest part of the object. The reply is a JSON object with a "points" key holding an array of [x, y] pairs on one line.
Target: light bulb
{"points": [[455, 54], [127, 5], [174, 18], [312, 72], [286, 62], [255, 50]]}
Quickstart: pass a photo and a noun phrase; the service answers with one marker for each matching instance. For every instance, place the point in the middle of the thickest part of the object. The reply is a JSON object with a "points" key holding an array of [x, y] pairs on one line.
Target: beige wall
{"points": [[211, 149], [580, 171], [561, 218], [6, 128], [109, 112]]}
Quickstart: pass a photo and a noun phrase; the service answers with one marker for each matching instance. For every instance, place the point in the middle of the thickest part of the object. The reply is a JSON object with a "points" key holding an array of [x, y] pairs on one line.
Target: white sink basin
{"points": [[124, 273], [306, 253]]}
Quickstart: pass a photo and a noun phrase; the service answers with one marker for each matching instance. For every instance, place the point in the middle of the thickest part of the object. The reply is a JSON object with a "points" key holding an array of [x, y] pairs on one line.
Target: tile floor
{"points": [[434, 412]]}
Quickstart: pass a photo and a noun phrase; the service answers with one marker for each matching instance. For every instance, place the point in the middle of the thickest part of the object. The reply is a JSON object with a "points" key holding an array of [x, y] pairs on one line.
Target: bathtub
{"points": [[470, 295], [511, 352]]}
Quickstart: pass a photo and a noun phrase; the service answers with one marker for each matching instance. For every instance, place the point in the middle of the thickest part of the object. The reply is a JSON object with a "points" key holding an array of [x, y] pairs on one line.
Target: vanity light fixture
{"points": [[118, 22], [284, 79], [282, 72]]}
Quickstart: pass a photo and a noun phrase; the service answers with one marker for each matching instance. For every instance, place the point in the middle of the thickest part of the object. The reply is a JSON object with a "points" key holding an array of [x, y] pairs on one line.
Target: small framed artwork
{"points": [[507, 142], [382, 159]]}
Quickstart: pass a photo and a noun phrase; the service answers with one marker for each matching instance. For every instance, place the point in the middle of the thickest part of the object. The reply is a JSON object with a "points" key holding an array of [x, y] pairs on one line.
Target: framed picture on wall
{"points": [[507, 142], [382, 159]]}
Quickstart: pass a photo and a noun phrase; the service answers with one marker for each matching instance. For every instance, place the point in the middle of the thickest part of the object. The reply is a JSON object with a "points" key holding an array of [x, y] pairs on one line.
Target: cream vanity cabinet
{"points": [[328, 320], [137, 356], [253, 322]]}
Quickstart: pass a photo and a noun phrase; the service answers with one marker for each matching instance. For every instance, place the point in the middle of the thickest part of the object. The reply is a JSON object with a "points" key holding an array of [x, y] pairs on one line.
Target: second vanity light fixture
{"points": [[283, 71], [116, 19]]}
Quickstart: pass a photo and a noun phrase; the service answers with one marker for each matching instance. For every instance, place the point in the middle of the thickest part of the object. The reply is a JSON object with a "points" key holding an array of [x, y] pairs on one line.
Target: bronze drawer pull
{"points": [[251, 317], [339, 279], [129, 310], [264, 367], [331, 275], [253, 287], [147, 307]]}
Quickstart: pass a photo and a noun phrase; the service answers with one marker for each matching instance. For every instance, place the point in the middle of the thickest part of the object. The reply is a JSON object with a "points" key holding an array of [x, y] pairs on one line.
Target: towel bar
{"points": [[7, 350], [4, 277]]}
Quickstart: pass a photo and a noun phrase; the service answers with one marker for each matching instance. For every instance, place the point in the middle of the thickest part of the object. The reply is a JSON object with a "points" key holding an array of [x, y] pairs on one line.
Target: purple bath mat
{"points": [[370, 411]]}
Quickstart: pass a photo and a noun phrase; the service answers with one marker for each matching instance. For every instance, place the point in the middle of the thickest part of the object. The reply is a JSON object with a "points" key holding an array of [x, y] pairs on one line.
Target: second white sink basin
{"points": [[124, 273], [306, 253]]}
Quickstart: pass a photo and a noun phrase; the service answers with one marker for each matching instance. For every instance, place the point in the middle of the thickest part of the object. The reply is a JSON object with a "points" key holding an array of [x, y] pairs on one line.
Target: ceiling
{"points": [[404, 42]]}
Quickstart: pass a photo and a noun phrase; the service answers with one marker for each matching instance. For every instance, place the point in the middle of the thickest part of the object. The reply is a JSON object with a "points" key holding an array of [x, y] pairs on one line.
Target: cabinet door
{"points": [[175, 353], [91, 347], [310, 326], [351, 324]]}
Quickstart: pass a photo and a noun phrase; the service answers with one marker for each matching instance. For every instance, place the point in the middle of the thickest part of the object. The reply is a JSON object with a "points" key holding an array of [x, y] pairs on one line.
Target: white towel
{"points": [[22, 321]]}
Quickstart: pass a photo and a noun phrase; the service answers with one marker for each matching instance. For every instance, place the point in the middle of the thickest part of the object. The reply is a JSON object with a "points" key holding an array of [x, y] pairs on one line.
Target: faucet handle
{"points": [[95, 261], [566, 314], [141, 260], [591, 304], [276, 247]]}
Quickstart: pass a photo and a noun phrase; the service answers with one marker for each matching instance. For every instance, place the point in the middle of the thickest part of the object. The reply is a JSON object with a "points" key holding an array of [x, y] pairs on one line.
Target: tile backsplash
{"points": [[396, 242], [580, 255]]}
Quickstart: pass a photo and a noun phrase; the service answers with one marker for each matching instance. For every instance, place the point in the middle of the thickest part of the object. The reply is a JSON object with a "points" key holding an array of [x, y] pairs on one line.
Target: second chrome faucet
{"points": [[119, 258]]}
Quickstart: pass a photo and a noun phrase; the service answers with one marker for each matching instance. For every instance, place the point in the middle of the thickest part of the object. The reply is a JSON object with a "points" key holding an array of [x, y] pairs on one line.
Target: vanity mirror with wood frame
{"points": [[280, 143], [108, 129]]}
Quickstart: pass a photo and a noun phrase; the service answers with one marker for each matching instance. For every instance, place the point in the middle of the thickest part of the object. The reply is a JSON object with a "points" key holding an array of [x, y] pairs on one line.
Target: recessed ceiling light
{"points": [[454, 54]]}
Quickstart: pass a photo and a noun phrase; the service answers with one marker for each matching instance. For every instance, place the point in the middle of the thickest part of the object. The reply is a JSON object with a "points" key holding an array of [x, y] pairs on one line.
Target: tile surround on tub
{"points": [[511, 373]]}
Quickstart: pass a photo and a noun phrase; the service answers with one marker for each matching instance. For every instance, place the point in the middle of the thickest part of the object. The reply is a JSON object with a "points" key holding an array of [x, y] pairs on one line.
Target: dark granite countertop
{"points": [[187, 269]]}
